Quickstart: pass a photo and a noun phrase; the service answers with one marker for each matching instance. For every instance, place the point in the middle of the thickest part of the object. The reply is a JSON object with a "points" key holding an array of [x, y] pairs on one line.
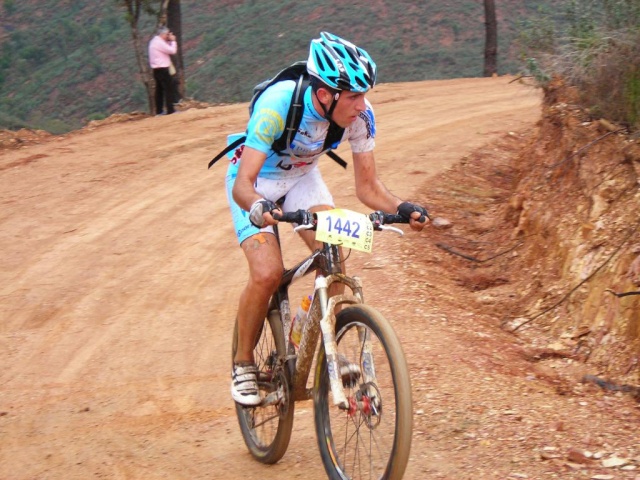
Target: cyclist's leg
{"points": [[265, 270], [311, 193]]}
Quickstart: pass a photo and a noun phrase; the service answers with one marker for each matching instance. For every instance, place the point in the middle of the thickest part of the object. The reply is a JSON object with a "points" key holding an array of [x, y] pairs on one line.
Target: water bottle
{"points": [[299, 320]]}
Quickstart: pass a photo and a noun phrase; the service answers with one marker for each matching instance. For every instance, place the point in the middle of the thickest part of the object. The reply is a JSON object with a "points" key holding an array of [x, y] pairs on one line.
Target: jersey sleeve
{"points": [[362, 132], [269, 115]]}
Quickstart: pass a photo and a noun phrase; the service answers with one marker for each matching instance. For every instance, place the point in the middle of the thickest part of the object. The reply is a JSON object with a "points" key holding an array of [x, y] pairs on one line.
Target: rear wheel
{"points": [[266, 428], [372, 438]]}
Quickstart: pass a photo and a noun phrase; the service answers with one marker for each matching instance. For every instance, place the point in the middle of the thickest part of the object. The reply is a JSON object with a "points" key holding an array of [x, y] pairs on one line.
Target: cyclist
{"points": [[341, 74]]}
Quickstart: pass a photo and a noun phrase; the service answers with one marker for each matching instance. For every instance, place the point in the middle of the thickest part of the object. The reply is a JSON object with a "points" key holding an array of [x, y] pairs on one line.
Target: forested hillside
{"points": [[63, 63]]}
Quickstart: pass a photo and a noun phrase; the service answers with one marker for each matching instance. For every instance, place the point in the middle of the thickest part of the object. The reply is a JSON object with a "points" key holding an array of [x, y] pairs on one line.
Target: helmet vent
{"points": [[341, 64]]}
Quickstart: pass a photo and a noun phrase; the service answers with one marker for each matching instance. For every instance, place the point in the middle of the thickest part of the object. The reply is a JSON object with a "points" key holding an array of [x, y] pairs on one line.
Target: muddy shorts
{"points": [[303, 192]]}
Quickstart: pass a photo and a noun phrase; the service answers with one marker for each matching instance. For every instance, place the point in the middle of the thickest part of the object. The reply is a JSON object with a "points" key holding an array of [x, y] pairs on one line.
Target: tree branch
{"points": [[623, 294], [552, 307], [585, 147]]}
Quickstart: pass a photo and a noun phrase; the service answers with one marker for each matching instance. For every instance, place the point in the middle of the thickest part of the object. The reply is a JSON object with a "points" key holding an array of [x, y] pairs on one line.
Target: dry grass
{"points": [[606, 71]]}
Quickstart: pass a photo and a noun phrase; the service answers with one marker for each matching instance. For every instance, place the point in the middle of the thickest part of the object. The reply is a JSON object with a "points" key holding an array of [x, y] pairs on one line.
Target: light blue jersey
{"points": [[268, 121], [291, 173]]}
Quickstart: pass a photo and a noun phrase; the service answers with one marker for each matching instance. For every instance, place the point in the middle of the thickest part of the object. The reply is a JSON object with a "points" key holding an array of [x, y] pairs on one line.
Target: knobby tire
{"points": [[362, 445]]}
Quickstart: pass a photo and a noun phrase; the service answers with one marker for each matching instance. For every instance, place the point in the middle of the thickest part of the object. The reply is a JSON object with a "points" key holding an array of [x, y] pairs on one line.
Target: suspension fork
{"points": [[328, 327]]}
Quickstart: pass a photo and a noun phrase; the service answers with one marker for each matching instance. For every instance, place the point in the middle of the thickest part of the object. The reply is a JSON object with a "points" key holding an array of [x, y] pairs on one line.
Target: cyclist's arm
{"points": [[371, 191], [244, 192], [369, 188]]}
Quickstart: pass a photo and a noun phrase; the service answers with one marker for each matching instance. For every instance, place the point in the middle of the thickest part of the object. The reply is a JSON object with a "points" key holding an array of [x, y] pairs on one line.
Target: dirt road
{"points": [[119, 280]]}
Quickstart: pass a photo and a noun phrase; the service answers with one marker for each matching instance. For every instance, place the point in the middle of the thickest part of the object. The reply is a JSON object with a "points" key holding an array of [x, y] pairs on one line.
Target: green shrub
{"points": [[632, 96], [597, 50], [11, 122], [9, 7], [56, 126], [96, 116]]}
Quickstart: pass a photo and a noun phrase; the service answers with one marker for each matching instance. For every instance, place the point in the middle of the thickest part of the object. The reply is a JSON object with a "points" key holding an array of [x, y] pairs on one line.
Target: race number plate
{"points": [[344, 227]]}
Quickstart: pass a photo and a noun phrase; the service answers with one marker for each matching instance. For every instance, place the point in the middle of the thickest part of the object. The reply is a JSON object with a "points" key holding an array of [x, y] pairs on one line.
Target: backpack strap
{"points": [[334, 135], [336, 158], [230, 147], [294, 116]]}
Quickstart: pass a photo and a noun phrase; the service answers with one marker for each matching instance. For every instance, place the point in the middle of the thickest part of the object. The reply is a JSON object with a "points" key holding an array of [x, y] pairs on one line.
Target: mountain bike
{"points": [[361, 390]]}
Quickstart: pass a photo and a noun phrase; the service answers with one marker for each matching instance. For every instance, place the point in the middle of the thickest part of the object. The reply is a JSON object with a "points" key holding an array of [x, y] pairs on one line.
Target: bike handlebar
{"points": [[381, 218], [304, 217]]}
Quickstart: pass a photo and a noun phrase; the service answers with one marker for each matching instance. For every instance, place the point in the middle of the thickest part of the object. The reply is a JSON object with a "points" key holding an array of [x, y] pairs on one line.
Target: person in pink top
{"points": [[160, 48]]}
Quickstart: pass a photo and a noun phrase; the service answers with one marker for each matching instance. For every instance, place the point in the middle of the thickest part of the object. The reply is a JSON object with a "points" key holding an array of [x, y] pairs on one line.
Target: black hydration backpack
{"points": [[298, 73]]}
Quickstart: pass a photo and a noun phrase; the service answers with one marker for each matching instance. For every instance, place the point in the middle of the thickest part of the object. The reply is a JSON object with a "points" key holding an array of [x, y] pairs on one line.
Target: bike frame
{"points": [[326, 261]]}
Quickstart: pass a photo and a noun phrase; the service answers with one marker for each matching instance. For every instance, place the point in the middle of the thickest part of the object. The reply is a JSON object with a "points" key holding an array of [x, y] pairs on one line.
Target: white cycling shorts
{"points": [[302, 192]]}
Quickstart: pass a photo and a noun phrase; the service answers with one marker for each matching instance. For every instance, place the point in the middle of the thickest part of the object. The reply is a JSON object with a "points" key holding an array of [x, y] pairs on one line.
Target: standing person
{"points": [[341, 75], [160, 48]]}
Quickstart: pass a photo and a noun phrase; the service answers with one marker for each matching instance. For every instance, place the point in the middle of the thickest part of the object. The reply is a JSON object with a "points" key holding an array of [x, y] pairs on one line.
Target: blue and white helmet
{"points": [[340, 64]]}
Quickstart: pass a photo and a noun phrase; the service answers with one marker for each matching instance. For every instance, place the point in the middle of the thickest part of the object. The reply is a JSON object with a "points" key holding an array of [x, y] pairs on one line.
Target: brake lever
{"points": [[393, 229], [304, 227]]}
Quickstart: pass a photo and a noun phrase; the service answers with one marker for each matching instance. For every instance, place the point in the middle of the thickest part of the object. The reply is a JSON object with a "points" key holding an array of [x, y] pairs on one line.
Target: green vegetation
{"points": [[594, 46], [65, 63]]}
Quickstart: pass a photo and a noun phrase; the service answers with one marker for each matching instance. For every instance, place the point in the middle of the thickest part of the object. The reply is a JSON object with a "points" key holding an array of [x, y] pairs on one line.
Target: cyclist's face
{"points": [[349, 106]]}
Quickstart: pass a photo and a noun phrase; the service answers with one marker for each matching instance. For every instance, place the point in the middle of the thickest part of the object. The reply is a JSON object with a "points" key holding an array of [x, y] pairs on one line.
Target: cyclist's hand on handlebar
{"points": [[416, 214], [262, 213], [300, 217]]}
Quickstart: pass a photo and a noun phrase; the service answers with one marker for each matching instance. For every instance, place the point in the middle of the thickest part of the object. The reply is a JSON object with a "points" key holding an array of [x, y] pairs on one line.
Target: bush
{"points": [[96, 116], [10, 122], [611, 86], [55, 126], [597, 51], [9, 7]]}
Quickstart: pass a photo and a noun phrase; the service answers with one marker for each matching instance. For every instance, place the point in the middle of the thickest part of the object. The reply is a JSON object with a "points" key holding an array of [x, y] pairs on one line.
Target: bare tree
{"points": [[133, 10], [491, 42]]}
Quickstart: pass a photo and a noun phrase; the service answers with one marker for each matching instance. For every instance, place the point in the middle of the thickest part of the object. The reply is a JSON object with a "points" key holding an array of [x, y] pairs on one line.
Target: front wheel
{"points": [[371, 439], [266, 429]]}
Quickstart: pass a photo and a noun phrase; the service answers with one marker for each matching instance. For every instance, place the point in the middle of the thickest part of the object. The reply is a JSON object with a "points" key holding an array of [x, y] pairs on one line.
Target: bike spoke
{"points": [[362, 442], [266, 428], [268, 419]]}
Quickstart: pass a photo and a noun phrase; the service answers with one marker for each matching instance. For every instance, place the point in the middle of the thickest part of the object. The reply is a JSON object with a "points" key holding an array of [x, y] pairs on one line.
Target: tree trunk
{"points": [[145, 71], [134, 8], [174, 21], [491, 42], [171, 16]]}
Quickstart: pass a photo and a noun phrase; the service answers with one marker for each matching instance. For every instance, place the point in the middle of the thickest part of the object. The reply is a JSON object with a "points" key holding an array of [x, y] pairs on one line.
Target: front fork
{"points": [[328, 328]]}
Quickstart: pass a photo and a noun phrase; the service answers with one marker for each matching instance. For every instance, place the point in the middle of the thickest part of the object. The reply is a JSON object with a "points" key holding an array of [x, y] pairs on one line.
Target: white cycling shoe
{"points": [[244, 385]]}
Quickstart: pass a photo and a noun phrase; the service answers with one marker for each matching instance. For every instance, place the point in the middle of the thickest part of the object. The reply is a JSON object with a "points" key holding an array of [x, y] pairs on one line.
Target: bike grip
{"points": [[382, 218], [407, 220], [288, 217], [301, 217], [394, 218]]}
